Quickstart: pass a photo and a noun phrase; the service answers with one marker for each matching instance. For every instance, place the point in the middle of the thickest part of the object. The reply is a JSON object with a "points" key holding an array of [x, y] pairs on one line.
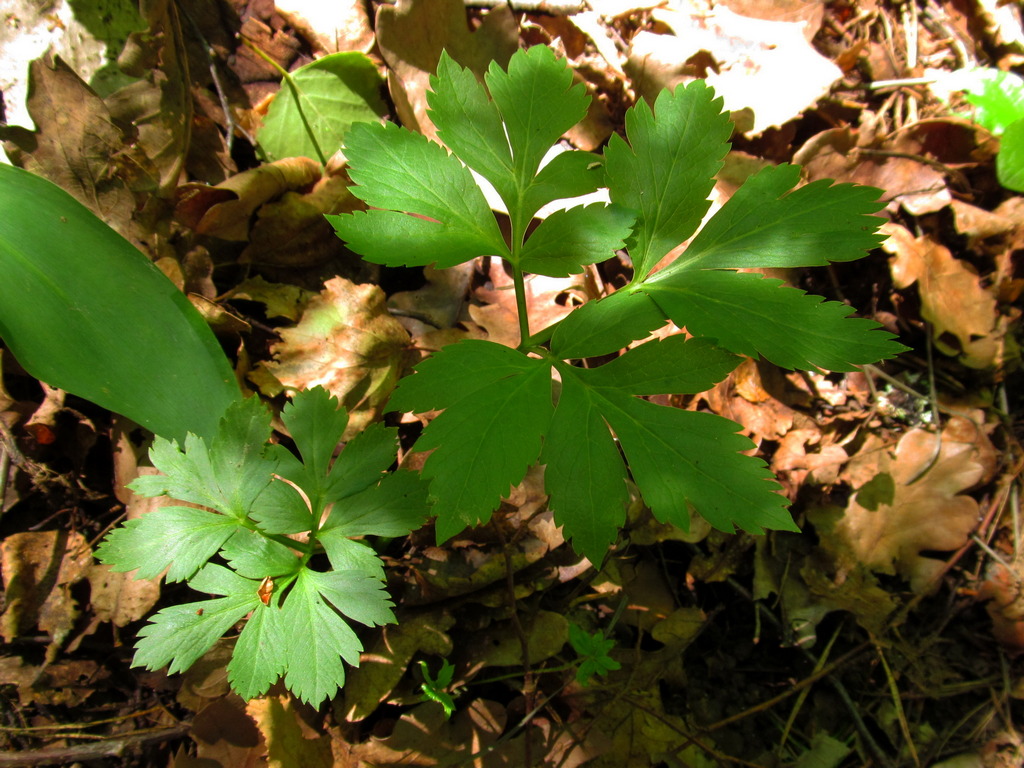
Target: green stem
{"points": [[524, 319], [295, 94]]}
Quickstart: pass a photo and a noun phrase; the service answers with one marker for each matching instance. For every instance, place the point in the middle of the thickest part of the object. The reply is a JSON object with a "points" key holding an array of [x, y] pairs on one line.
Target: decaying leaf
{"points": [[767, 67], [345, 342], [225, 210], [411, 36], [962, 312], [290, 741], [914, 504]]}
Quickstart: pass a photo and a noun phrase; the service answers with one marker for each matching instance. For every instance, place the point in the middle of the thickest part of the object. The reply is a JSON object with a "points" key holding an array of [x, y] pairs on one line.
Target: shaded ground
{"points": [[885, 634]]}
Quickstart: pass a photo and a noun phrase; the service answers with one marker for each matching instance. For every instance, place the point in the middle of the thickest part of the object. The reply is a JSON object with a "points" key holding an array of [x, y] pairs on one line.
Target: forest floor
{"points": [[887, 633]]}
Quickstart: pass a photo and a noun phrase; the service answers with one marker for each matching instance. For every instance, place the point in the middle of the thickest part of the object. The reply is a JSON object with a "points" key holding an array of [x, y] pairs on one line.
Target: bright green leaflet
{"points": [[434, 688], [331, 94], [593, 652], [83, 310], [300, 629], [506, 409]]}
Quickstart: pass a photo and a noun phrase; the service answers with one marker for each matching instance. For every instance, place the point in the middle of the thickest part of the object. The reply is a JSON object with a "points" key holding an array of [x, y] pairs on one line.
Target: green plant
{"points": [[593, 652], [434, 689], [272, 538], [82, 309], [505, 409], [998, 101]]}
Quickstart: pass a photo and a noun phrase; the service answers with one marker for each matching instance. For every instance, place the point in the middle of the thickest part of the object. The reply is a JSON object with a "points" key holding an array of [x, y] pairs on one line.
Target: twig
{"points": [[113, 747]]}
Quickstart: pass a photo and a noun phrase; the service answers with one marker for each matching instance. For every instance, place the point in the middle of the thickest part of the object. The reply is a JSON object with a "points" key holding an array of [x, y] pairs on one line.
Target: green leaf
{"points": [[998, 96], [229, 475], [179, 539], [666, 172], [469, 123], [363, 462], [331, 94], [394, 507], [83, 310], [434, 689], [568, 175], [671, 366], [709, 473], [1010, 160], [765, 224], [316, 639], [493, 396], [405, 173], [258, 658], [584, 475], [750, 314], [567, 240], [538, 103], [254, 556], [358, 596], [177, 636], [606, 326], [346, 554], [593, 652]]}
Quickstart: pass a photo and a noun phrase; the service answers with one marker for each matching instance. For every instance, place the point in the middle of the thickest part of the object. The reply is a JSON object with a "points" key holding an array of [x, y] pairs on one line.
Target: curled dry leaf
{"points": [[225, 210], [913, 504], [963, 314], [345, 342]]}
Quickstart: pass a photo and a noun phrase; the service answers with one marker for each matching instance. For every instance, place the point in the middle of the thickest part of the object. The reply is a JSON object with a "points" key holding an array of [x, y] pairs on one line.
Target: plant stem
{"points": [[295, 94], [524, 319]]}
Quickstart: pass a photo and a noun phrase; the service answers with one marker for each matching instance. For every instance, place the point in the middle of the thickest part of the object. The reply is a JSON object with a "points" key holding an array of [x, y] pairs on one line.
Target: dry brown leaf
{"points": [[913, 503], [292, 231], [80, 149], [767, 67], [411, 35], [383, 664], [291, 742], [225, 210], [39, 569], [224, 734], [963, 314], [345, 342]]}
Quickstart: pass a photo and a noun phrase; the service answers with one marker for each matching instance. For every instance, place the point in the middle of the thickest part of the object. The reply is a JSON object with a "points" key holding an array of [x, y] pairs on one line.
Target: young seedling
{"points": [[506, 409], [270, 534]]}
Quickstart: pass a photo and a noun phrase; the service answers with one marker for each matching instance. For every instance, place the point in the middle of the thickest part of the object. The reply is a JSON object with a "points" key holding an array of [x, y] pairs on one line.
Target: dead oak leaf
{"points": [[913, 504], [346, 342], [962, 312]]}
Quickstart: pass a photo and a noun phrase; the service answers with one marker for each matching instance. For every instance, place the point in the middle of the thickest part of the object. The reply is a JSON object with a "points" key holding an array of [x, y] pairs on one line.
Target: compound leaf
{"points": [[709, 473], [258, 660], [750, 314], [675, 365], [358, 596], [394, 507], [538, 103], [405, 173], [316, 422], [364, 461], [469, 123], [569, 174], [228, 476], [179, 539], [254, 556], [607, 325], [568, 240], [177, 636], [584, 475], [767, 223], [316, 639], [593, 652], [666, 172], [497, 405]]}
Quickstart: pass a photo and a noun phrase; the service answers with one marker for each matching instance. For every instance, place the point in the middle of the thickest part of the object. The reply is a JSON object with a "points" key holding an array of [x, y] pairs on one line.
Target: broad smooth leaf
{"points": [[333, 92], [83, 310], [1010, 160]]}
